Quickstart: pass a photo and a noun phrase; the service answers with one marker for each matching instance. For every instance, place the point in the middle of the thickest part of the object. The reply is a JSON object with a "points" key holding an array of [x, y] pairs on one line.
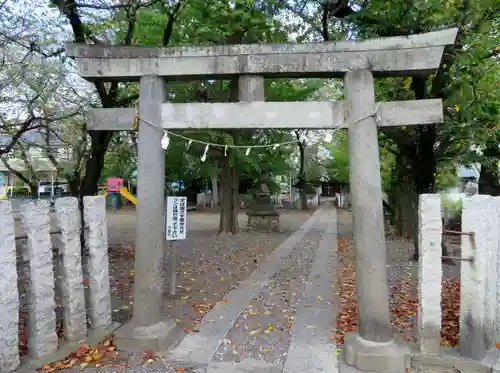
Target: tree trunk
{"points": [[95, 163], [489, 176], [413, 175], [301, 184], [74, 187], [423, 163], [302, 205], [228, 223], [424, 170]]}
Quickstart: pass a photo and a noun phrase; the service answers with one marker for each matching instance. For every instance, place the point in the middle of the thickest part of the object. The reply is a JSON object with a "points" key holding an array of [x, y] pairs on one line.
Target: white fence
{"points": [[280, 200], [479, 276], [52, 275], [285, 200]]}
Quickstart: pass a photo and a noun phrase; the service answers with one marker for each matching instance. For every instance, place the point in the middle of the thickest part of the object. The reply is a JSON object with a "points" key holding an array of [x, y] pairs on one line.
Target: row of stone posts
{"points": [[78, 310], [479, 275]]}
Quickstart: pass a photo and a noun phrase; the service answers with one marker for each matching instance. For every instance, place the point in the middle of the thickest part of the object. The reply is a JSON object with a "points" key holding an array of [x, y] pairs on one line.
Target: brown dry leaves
{"points": [[450, 309], [98, 356], [347, 319], [404, 302], [148, 357]]}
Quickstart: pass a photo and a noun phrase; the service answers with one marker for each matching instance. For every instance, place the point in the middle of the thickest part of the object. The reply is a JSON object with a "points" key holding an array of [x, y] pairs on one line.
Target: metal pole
{"points": [[172, 267], [52, 187]]}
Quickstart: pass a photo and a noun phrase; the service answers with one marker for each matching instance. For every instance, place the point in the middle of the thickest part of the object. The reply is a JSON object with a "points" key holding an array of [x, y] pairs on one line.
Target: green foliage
{"points": [[120, 159], [219, 22], [452, 207], [467, 80], [446, 179], [338, 164]]}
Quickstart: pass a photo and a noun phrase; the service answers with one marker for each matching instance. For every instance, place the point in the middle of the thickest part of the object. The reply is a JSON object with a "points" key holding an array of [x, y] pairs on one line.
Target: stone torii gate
{"points": [[373, 347]]}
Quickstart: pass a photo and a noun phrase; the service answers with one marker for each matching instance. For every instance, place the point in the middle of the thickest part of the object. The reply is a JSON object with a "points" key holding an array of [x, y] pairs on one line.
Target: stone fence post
{"points": [[478, 292], [9, 295], [42, 337], [75, 315], [429, 272], [98, 262], [496, 203]]}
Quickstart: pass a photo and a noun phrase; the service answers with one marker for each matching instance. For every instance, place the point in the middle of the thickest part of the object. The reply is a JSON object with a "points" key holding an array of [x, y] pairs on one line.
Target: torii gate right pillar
{"points": [[373, 347]]}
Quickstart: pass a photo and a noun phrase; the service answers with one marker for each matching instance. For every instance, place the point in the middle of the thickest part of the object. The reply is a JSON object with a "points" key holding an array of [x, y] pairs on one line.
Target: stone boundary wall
{"points": [[81, 306], [479, 276]]}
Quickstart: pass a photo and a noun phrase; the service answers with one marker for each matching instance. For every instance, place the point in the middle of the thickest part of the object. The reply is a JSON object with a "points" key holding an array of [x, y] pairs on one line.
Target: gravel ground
{"points": [[208, 265]]}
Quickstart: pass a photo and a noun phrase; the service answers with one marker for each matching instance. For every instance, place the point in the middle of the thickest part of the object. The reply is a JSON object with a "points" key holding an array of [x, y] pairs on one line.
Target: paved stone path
{"points": [[249, 330]]}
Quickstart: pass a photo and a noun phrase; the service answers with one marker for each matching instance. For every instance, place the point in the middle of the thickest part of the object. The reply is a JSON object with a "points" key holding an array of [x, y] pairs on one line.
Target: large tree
{"points": [[465, 81], [88, 23]]}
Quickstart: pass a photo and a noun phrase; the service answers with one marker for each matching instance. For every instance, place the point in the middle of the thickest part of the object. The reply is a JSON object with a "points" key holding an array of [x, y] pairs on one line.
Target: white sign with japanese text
{"points": [[176, 218]]}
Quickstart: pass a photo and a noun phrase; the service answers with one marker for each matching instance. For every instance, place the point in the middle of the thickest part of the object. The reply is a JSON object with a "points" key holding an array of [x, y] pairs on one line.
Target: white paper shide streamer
{"points": [[165, 141], [204, 156]]}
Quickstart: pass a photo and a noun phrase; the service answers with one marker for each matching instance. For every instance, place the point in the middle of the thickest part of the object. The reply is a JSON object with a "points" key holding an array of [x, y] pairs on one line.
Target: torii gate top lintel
{"points": [[393, 56]]}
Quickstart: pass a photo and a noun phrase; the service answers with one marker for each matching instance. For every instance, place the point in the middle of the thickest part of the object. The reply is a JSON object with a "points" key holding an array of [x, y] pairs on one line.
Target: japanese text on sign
{"points": [[176, 218]]}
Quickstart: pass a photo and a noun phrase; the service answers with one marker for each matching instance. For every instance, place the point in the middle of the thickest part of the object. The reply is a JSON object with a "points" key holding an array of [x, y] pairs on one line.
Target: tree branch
{"points": [[14, 171], [324, 23], [339, 8], [24, 127], [169, 28], [32, 47], [439, 82], [116, 6]]}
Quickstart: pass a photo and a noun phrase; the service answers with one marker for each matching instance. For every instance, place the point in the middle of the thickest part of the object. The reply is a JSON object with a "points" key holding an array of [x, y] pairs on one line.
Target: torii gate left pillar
{"points": [[373, 347]]}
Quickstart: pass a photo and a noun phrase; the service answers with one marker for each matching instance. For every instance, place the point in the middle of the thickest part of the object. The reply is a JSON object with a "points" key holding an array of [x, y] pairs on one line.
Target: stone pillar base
{"points": [[387, 357], [133, 338]]}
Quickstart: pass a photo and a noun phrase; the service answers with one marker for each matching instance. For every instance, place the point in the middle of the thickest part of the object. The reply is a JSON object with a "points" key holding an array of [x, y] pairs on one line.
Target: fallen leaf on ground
{"points": [[148, 356], [190, 330], [404, 302], [100, 355]]}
